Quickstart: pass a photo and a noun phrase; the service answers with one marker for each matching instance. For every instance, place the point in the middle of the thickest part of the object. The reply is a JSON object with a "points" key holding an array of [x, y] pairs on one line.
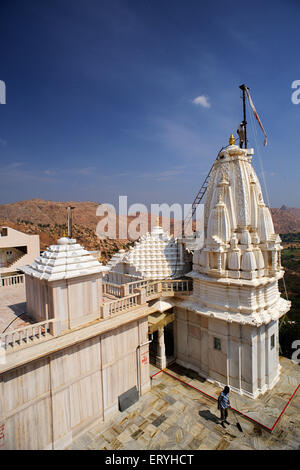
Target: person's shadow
{"points": [[208, 416]]}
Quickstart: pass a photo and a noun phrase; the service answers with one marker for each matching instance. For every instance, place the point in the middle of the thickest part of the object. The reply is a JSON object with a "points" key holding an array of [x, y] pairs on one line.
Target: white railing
{"points": [[177, 285], [27, 334], [120, 305], [136, 285], [123, 290], [119, 278], [112, 289], [141, 292], [156, 288], [12, 280]]}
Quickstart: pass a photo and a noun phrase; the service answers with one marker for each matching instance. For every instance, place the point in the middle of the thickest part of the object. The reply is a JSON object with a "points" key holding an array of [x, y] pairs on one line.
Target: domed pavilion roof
{"points": [[65, 260], [154, 256]]}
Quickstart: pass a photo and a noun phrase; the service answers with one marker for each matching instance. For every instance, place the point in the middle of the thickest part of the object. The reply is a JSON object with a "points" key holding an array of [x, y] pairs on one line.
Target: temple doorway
{"points": [[161, 349]]}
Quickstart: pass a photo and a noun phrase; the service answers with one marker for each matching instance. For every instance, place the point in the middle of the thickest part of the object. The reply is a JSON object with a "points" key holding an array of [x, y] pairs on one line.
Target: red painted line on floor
{"points": [[285, 407], [189, 385], [156, 373], [242, 414]]}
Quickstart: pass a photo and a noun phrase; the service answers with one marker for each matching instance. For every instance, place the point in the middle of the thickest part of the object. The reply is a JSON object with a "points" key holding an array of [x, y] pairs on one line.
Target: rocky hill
{"points": [[286, 219], [40, 212], [48, 220], [50, 233]]}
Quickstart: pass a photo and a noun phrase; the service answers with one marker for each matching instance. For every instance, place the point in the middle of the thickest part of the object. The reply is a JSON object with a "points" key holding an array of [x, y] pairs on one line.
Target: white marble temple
{"points": [[235, 278]]}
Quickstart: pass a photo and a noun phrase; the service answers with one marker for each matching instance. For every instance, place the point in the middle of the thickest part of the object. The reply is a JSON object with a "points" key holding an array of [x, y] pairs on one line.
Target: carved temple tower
{"points": [[231, 321]]}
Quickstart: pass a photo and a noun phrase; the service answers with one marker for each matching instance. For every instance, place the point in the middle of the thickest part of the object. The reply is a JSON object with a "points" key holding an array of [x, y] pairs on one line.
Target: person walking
{"points": [[223, 404]]}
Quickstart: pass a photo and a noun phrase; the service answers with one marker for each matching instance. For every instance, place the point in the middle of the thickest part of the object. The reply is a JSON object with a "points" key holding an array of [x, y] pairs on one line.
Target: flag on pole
{"points": [[256, 115]]}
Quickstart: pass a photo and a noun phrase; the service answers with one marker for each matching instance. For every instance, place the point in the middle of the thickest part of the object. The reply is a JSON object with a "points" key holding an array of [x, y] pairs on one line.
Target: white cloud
{"points": [[202, 101]]}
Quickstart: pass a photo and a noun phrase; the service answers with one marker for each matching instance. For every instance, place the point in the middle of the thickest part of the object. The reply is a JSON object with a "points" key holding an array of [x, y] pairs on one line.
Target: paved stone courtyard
{"points": [[174, 416], [12, 304]]}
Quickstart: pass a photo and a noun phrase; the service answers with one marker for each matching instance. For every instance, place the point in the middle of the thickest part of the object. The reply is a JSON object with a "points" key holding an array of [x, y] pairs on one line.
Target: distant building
{"points": [[16, 249]]}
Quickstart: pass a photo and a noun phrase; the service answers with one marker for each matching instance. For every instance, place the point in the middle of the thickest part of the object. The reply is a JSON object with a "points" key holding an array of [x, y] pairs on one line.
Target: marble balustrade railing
{"points": [[119, 278], [12, 280], [29, 334], [169, 286], [142, 291], [112, 289], [136, 285], [152, 287], [122, 290], [177, 285], [120, 305]]}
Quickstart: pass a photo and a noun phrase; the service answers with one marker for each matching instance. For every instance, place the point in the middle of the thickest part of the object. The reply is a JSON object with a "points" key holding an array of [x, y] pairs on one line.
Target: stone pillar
{"points": [[274, 260], [161, 360], [261, 358], [124, 289], [142, 299], [55, 328], [219, 258], [181, 251]]}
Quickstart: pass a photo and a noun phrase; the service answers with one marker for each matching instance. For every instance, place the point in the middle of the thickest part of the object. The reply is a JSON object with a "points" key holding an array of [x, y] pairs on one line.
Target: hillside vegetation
{"points": [[290, 324]]}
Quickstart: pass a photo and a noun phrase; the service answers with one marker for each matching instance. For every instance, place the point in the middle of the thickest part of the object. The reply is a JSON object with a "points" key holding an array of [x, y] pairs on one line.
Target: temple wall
{"points": [[245, 361], [237, 298], [66, 392], [73, 301], [39, 299]]}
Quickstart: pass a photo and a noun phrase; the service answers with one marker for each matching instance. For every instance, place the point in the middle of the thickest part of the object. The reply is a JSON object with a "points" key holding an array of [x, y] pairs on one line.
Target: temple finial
{"points": [[231, 140]]}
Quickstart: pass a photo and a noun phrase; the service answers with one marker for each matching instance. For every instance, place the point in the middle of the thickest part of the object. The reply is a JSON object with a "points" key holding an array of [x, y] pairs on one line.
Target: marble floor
{"points": [[175, 416]]}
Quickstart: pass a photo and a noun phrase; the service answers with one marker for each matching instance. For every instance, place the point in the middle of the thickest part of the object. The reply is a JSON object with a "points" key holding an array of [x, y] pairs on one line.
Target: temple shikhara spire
{"points": [[235, 277]]}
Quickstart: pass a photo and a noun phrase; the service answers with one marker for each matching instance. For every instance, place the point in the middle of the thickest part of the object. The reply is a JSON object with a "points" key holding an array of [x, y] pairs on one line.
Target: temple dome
{"points": [[154, 256], [65, 260]]}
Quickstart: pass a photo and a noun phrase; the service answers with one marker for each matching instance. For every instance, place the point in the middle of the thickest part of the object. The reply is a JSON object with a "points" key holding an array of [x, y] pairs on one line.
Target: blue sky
{"points": [[100, 96]]}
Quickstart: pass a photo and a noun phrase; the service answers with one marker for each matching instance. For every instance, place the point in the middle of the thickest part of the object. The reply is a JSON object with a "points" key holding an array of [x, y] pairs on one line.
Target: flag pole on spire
{"points": [[242, 130], [244, 122]]}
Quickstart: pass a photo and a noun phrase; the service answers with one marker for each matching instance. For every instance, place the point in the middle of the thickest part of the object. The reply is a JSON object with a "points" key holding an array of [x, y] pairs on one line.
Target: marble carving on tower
{"points": [[234, 334], [156, 255]]}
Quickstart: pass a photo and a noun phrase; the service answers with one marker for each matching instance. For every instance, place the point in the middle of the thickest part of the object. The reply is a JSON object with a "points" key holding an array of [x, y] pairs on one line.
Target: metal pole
{"points": [[70, 208], [243, 88]]}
